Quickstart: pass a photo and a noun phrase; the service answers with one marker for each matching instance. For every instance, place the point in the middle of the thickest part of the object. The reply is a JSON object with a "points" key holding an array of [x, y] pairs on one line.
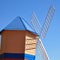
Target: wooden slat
{"points": [[30, 45], [30, 51]]}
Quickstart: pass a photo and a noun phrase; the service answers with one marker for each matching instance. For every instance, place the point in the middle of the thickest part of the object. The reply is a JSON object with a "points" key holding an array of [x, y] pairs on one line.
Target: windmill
{"points": [[42, 32], [26, 37]]}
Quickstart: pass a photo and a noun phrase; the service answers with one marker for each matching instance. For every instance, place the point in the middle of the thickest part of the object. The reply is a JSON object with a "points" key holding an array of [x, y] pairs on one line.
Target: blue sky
{"points": [[9, 9]]}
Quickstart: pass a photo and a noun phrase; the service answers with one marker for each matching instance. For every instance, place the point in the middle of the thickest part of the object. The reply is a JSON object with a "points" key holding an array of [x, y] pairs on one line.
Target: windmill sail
{"points": [[42, 50], [40, 46], [47, 22], [35, 23], [42, 32]]}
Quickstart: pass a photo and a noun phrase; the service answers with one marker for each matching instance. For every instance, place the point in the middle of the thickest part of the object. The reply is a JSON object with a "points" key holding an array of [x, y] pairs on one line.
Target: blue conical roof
{"points": [[19, 24], [15, 24]]}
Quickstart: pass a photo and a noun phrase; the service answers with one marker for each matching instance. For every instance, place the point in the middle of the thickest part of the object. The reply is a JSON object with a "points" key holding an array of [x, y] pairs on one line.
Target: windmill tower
{"points": [[42, 32]]}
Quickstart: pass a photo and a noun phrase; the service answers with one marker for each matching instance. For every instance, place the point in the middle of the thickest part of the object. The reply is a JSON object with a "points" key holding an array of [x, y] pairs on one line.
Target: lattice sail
{"points": [[42, 32], [35, 23], [47, 22], [42, 51], [40, 46]]}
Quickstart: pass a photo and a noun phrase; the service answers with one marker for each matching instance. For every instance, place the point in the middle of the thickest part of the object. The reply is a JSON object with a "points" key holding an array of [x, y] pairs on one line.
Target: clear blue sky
{"points": [[9, 9]]}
